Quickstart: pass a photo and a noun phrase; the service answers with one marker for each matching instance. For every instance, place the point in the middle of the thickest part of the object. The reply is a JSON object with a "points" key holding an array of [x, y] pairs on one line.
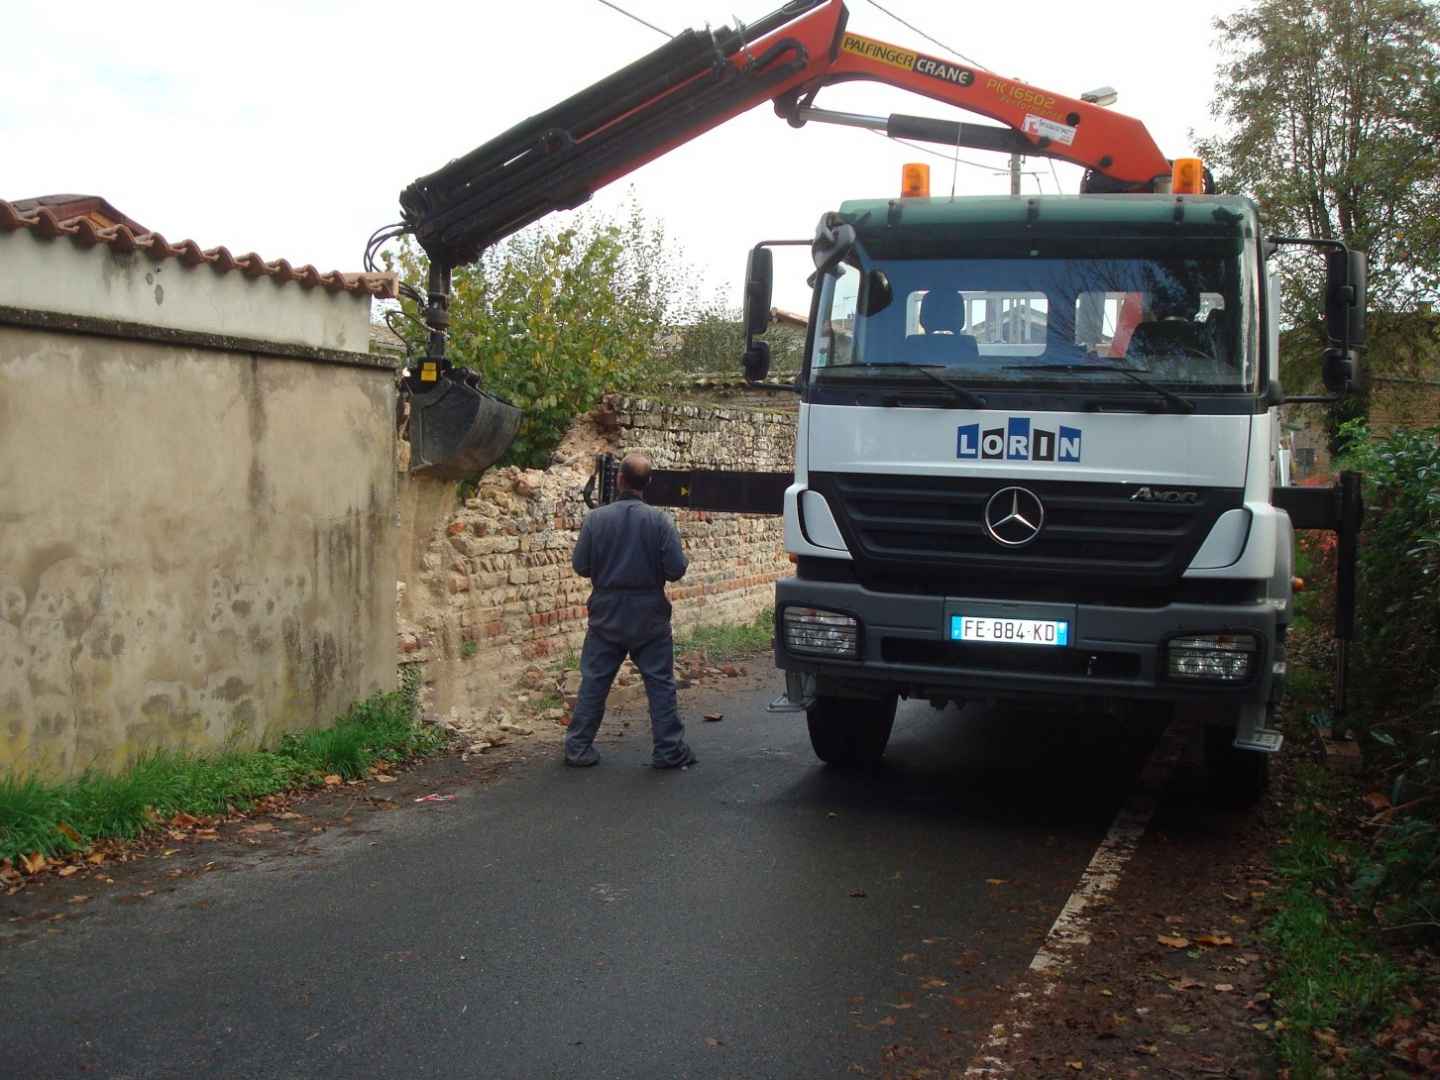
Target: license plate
{"points": [[993, 631]]}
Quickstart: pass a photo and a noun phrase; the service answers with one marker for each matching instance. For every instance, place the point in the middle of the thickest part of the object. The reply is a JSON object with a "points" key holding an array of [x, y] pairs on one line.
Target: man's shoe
{"points": [[590, 758], [684, 761]]}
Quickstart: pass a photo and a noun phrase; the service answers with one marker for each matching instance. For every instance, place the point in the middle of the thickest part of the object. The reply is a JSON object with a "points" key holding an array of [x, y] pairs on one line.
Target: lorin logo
{"points": [[1018, 441]]}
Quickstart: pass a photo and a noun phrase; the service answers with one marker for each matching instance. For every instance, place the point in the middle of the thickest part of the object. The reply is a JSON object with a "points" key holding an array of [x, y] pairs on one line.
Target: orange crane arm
{"points": [[701, 79]]}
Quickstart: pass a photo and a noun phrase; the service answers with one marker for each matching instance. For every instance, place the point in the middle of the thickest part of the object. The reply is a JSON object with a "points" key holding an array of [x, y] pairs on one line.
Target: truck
{"points": [[1038, 450]]}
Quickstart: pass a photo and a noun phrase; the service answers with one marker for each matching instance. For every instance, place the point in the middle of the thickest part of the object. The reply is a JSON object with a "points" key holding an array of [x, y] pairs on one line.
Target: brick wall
{"points": [[489, 592]]}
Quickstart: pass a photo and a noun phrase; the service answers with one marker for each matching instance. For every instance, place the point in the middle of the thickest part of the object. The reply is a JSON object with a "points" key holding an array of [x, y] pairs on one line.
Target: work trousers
{"points": [[600, 659]]}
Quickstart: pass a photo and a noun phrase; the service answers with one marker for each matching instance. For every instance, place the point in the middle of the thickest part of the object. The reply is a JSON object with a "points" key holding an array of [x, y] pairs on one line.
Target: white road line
{"points": [[1070, 932]]}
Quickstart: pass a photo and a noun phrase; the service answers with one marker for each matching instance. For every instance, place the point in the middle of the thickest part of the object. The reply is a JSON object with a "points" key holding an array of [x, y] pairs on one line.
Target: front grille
{"points": [[1031, 659], [928, 530]]}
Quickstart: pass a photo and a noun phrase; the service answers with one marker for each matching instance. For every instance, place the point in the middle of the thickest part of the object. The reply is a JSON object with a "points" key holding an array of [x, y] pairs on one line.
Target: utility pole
{"points": [[1015, 160]]}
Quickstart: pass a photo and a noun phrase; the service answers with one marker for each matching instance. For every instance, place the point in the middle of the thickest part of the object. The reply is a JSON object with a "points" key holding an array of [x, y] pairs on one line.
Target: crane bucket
{"points": [[457, 429]]}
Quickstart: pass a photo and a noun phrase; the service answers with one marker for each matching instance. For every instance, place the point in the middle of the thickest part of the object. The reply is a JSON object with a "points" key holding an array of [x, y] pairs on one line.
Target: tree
{"points": [[713, 341], [553, 318], [1333, 116]]}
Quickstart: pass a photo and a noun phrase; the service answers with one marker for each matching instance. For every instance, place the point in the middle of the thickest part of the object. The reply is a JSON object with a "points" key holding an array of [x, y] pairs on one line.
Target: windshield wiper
{"points": [[957, 391], [1184, 405]]}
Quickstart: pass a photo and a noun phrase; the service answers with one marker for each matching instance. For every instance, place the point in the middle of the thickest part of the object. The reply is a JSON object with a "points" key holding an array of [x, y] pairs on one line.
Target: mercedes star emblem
{"points": [[1013, 516]]}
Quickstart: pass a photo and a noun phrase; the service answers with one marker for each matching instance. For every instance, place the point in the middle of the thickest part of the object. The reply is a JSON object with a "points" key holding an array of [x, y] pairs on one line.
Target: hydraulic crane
{"points": [[1085, 497], [557, 159]]}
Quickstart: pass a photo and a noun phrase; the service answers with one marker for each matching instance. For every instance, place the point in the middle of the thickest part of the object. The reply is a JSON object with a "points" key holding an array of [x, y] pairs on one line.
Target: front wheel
{"points": [[850, 732], [1238, 776]]}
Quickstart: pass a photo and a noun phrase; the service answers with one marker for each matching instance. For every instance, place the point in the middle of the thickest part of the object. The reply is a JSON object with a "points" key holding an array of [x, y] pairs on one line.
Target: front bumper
{"points": [[1115, 652]]}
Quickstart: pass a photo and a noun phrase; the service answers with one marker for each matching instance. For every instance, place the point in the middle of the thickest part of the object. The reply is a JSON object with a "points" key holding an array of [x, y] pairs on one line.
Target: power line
{"points": [[1058, 188], [933, 153], [637, 18], [922, 33]]}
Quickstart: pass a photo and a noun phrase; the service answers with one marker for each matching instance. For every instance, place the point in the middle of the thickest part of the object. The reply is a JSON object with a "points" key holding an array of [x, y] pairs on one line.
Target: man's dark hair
{"points": [[635, 472]]}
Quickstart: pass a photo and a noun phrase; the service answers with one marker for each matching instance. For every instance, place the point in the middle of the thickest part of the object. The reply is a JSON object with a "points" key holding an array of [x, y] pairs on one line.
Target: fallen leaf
{"points": [[932, 940], [907, 957], [334, 780], [887, 1021], [1214, 940], [933, 983], [960, 1002], [1224, 988], [385, 778], [858, 894], [168, 852], [1186, 983], [714, 717], [286, 815], [996, 881], [259, 826], [78, 899], [1174, 942], [1377, 801], [1175, 920], [33, 863], [858, 999], [66, 871], [207, 834], [712, 1043], [68, 832], [1078, 1066], [96, 859], [182, 820], [1149, 1049]]}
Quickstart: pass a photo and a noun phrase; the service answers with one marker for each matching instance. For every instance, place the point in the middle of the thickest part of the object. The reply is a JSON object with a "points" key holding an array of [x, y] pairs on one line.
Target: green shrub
{"points": [[556, 316]]}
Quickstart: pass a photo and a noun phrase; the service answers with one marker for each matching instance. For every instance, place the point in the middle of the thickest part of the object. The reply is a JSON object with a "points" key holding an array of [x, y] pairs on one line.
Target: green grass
{"points": [[1329, 975], [56, 818], [723, 643]]}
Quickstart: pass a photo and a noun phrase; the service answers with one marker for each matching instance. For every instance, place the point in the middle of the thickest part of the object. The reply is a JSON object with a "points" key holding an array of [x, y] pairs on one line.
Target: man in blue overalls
{"points": [[629, 551]]}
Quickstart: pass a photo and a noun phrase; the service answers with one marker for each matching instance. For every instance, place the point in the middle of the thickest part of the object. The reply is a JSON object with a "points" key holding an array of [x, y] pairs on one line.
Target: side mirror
{"points": [[1345, 298], [759, 286], [831, 244], [757, 361], [1339, 370]]}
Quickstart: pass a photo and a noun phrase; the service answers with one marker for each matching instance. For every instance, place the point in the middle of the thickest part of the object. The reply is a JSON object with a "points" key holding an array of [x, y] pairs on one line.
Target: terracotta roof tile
{"points": [[81, 230]]}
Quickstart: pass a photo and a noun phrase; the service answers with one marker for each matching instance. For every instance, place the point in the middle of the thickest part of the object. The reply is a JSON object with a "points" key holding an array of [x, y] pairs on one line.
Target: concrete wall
{"points": [[196, 544], [60, 276], [487, 591]]}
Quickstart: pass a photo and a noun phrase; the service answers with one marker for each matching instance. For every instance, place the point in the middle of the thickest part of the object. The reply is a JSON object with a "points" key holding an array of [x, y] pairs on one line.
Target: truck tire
{"points": [[1238, 777], [850, 732]]}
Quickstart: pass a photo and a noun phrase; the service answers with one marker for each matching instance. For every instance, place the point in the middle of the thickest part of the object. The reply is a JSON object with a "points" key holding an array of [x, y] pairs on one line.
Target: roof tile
{"points": [[83, 232]]}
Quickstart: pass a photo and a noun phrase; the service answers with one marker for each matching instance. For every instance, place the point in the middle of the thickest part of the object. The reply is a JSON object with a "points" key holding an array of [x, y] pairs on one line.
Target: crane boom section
{"points": [[699, 80]]}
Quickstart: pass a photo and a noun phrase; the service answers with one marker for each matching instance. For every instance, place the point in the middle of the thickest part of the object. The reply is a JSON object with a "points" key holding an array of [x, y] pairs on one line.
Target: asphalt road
{"points": [[610, 922]]}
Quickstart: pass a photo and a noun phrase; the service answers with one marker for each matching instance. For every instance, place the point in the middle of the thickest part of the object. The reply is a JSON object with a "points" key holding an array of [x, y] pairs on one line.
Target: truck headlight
{"points": [[821, 633], [1214, 657]]}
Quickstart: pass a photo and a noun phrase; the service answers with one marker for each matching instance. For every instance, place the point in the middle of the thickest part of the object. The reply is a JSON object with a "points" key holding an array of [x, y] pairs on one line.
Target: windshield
{"points": [[1181, 322]]}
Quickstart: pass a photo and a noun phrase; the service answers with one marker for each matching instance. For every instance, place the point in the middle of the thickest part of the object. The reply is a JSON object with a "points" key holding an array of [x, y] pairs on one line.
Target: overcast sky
{"points": [[289, 128]]}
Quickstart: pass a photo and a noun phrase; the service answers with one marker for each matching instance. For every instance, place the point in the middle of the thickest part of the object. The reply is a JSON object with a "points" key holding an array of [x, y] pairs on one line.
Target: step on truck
{"points": [[1038, 449]]}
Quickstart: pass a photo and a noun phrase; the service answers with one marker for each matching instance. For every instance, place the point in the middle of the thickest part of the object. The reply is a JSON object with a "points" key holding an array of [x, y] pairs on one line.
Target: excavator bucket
{"points": [[457, 430]]}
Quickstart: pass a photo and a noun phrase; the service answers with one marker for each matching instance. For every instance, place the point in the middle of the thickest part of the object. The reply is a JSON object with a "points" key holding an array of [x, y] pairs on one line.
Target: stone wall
{"points": [[489, 592]]}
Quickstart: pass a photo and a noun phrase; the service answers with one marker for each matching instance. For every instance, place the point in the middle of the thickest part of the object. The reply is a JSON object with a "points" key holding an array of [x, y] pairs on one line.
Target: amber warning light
{"points": [[915, 181], [1187, 176]]}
